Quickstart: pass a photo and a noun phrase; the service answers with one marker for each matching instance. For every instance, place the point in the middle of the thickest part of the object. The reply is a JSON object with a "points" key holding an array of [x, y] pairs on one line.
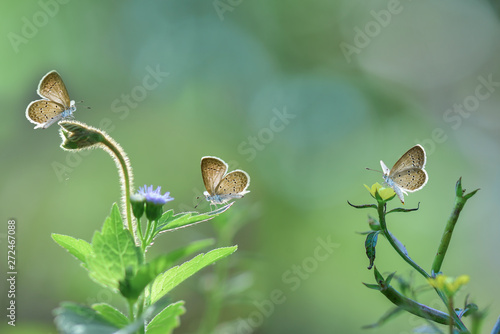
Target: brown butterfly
{"points": [[55, 104], [222, 187], [408, 173]]}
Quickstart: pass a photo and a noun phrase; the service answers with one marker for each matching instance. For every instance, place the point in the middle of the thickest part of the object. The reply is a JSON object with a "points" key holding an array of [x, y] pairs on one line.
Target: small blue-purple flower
{"points": [[154, 201]]}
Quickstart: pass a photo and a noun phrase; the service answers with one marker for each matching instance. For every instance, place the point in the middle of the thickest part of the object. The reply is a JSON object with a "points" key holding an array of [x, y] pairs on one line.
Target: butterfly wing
{"points": [[212, 172], [52, 87], [413, 158], [385, 170], [408, 174], [411, 179], [44, 113], [234, 184]]}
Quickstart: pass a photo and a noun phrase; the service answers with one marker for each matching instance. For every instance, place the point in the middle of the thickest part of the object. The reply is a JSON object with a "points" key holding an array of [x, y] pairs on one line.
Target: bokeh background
{"points": [[301, 95]]}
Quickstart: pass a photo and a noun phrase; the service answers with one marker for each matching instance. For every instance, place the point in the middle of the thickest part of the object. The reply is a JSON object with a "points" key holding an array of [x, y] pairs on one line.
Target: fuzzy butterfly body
{"points": [[55, 104], [222, 187], [408, 173]]}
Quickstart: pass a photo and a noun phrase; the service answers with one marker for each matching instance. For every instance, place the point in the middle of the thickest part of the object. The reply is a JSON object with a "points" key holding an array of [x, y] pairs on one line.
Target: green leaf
{"points": [[77, 247], [167, 320], [72, 318], [169, 222], [132, 287], [111, 314], [378, 277], [404, 210], [114, 252], [363, 206], [469, 195], [370, 244], [374, 224], [470, 309], [458, 188], [389, 278], [372, 286], [165, 282]]}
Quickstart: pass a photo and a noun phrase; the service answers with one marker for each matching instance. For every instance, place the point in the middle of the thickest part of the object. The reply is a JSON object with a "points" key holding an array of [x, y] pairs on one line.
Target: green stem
{"points": [[460, 201], [139, 230], [151, 233], [413, 307], [127, 176], [451, 310], [383, 225], [130, 310], [140, 309], [144, 242]]}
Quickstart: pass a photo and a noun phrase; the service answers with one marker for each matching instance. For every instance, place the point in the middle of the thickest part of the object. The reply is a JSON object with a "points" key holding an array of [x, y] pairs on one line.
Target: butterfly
{"points": [[408, 173], [222, 187], [55, 104]]}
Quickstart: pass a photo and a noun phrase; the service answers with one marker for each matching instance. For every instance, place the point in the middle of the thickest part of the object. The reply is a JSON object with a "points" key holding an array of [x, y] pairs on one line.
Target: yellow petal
{"points": [[374, 188], [386, 193]]}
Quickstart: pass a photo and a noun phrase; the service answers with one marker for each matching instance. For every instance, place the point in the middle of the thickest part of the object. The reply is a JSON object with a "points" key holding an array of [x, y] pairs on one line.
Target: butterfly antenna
{"points": [[373, 170], [198, 202], [81, 101]]}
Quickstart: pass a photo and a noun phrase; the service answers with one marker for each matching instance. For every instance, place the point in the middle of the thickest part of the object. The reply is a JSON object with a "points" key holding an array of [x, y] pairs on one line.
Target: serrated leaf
{"points": [[111, 314], [72, 318], [165, 282], [114, 252], [77, 247], [169, 222], [167, 320], [370, 244], [148, 314], [132, 288]]}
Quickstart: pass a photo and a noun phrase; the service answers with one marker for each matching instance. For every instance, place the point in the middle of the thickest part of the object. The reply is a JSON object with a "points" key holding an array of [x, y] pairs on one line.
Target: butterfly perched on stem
{"points": [[222, 187], [408, 173]]}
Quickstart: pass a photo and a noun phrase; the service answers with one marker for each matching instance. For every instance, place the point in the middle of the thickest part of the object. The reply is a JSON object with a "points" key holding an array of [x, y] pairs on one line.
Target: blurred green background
{"points": [[301, 95]]}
